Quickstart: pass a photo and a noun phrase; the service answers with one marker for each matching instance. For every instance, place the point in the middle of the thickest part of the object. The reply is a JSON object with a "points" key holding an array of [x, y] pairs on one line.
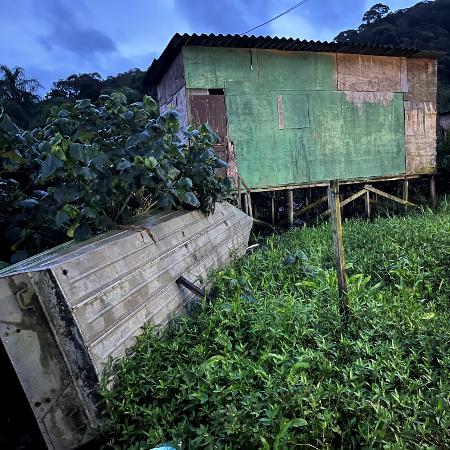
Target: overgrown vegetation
{"points": [[94, 166], [268, 365]]}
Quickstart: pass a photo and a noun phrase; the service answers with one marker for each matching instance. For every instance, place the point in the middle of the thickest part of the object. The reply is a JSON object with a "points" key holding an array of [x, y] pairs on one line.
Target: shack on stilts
{"points": [[292, 115]]}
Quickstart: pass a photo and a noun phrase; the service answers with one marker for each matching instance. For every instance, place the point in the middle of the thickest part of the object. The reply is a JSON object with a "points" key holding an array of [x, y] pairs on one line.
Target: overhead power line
{"points": [[278, 16]]}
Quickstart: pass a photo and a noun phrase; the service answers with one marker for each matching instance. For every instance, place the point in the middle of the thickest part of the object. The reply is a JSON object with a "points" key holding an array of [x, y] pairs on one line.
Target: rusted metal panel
{"points": [[210, 109], [422, 79], [420, 137], [65, 312], [371, 73]]}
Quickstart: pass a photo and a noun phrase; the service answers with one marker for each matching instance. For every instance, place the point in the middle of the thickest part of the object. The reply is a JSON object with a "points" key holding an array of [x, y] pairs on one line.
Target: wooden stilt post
{"points": [[336, 220], [405, 193], [273, 207], [367, 197], [239, 198], [249, 203], [433, 191], [291, 207], [245, 203]]}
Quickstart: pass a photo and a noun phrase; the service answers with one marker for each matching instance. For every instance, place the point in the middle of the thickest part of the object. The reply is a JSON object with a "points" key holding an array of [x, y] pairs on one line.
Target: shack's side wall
{"points": [[171, 91], [299, 117]]}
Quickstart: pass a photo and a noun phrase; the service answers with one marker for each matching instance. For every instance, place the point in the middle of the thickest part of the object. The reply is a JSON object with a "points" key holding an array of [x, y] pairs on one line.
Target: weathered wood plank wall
{"points": [[300, 117]]}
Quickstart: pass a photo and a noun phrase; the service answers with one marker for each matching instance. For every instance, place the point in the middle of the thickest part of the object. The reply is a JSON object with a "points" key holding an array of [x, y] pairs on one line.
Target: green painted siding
{"points": [[325, 135]]}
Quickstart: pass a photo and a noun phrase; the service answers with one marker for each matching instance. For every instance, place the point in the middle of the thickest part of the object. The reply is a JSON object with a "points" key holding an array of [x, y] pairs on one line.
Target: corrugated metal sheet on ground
{"points": [[65, 312]]}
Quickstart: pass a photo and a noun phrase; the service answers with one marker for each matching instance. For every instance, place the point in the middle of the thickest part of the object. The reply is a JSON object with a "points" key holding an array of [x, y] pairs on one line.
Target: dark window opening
{"points": [[215, 92]]}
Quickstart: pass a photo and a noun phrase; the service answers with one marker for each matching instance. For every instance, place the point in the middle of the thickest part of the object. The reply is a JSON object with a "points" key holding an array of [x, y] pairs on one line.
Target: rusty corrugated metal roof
{"points": [[160, 65]]}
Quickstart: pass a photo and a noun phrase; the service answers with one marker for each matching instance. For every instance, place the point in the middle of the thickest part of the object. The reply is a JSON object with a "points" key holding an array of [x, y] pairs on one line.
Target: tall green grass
{"points": [[269, 365]]}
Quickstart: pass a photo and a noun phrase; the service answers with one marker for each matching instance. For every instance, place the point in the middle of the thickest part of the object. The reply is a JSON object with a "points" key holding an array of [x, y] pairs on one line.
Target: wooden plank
{"points": [[367, 204], [389, 196], [336, 220], [273, 207], [171, 82], [249, 203], [433, 191], [343, 182], [239, 199], [348, 200], [280, 112], [406, 193], [420, 136], [311, 206], [291, 207], [370, 73], [422, 79], [209, 109]]}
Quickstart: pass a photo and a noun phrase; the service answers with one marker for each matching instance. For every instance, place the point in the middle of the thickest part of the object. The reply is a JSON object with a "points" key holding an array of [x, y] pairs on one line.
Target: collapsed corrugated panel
{"points": [[65, 312]]}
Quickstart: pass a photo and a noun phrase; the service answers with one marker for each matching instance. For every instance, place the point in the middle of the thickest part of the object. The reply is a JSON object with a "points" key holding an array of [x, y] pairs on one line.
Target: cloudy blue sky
{"points": [[52, 39]]}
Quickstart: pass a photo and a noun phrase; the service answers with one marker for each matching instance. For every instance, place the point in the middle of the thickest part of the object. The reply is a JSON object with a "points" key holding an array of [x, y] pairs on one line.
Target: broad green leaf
{"points": [[428, 316], [71, 211], [149, 104], [191, 199], [61, 218], [29, 203], [71, 230], [65, 193], [124, 164], [49, 166]]}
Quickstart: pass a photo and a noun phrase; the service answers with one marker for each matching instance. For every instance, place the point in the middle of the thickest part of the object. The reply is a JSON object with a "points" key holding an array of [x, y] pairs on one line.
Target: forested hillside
{"points": [[425, 26], [20, 100]]}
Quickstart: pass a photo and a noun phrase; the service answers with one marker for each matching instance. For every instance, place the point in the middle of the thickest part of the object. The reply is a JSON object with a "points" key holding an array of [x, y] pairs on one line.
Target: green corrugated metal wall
{"points": [[325, 135]]}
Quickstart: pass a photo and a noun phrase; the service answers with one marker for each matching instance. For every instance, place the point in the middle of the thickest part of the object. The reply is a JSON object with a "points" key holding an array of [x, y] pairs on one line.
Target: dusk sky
{"points": [[52, 39]]}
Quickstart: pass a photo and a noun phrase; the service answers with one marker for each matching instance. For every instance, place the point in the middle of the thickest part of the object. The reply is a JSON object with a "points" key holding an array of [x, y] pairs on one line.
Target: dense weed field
{"points": [[269, 365]]}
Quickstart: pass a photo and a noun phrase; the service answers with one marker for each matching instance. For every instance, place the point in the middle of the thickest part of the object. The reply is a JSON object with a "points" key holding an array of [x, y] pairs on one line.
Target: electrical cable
{"points": [[278, 16]]}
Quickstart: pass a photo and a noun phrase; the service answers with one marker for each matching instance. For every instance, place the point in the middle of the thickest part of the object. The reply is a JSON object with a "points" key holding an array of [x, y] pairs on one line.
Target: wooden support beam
{"points": [[433, 191], [389, 196], [291, 207], [311, 206], [244, 183], [405, 194], [336, 220], [273, 207], [239, 198], [347, 200], [246, 203], [249, 203], [367, 205]]}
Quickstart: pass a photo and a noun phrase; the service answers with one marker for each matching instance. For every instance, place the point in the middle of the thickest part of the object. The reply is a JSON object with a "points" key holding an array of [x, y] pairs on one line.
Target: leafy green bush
{"points": [[268, 365], [94, 166]]}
